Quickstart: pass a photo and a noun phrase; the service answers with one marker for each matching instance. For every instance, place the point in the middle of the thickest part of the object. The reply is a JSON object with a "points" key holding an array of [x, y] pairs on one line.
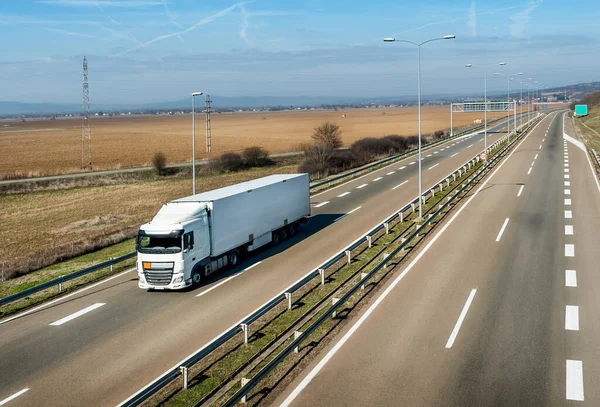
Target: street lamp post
{"points": [[418, 45], [194, 140], [508, 79], [485, 105]]}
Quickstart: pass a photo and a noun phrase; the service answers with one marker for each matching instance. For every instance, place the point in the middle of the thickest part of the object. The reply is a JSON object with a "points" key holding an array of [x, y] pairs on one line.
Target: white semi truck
{"points": [[193, 237]]}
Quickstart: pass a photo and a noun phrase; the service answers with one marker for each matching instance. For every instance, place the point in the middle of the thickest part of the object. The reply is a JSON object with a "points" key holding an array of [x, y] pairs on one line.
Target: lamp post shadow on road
{"points": [[418, 45]]}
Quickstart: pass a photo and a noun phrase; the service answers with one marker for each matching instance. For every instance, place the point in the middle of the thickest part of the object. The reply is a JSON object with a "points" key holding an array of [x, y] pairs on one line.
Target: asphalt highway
{"points": [[100, 345], [500, 308]]}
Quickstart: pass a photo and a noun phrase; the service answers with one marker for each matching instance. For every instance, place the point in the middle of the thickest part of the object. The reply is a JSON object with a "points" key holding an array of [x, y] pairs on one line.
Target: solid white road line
{"points": [[361, 186], [568, 214], [321, 204], [391, 172], [567, 192], [502, 230], [311, 375], [567, 201], [377, 179], [403, 167], [78, 314], [574, 380], [228, 278], [461, 318], [569, 230], [520, 190], [433, 166], [529, 171], [346, 214], [570, 278], [454, 155], [399, 185], [14, 396], [569, 250], [343, 195], [572, 318]]}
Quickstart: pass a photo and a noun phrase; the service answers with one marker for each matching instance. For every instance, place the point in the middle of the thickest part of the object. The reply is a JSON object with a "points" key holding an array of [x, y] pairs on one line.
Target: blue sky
{"points": [[161, 50]]}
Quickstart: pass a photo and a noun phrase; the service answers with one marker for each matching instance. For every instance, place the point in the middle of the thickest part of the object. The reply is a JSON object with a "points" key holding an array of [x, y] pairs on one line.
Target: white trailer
{"points": [[193, 237]]}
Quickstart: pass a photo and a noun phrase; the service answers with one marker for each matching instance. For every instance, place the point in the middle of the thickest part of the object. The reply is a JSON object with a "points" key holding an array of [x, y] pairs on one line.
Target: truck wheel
{"points": [[275, 239], [234, 257], [284, 234], [292, 230], [196, 277]]}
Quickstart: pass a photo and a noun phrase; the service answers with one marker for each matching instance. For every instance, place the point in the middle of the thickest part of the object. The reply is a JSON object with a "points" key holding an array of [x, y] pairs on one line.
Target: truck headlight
{"points": [[178, 280]]}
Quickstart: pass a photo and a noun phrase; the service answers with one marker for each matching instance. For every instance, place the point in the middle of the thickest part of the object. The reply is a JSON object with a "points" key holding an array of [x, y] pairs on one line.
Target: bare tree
{"points": [[328, 134]]}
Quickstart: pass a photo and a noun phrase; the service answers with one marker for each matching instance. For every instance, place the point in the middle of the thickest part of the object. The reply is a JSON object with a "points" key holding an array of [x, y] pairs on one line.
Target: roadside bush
{"points": [[256, 157], [159, 161], [400, 143], [439, 134], [227, 162], [329, 134], [370, 148], [413, 141], [317, 159]]}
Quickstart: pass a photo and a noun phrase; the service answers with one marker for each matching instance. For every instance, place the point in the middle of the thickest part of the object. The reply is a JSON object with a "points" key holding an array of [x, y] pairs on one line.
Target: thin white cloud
{"points": [[72, 33], [202, 22], [522, 18], [115, 22], [472, 21], [245, 24], [105, 3], [172, 18]]}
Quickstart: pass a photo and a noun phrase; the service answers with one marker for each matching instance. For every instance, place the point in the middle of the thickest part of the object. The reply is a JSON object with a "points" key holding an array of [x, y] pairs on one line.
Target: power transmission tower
{"points": [[86, 135], [208, 141]]}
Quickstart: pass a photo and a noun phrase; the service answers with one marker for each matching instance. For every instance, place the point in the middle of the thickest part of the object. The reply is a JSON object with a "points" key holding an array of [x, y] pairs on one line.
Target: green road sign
{"points": [[581, 110]]}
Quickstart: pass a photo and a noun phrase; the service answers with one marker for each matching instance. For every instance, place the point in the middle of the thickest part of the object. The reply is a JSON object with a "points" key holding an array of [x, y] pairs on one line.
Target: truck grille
{"points": [[159, 274]]}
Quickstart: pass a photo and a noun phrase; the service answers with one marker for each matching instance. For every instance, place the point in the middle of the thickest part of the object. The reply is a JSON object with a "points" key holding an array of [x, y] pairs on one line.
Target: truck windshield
{"points": [[164, 244]]}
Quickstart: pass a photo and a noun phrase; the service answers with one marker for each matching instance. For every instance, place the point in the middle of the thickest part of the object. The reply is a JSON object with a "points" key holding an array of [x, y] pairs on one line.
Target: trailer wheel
{"points": [[234, 257], [275, 239], [196, 277], [292, 230], [284, 234]]}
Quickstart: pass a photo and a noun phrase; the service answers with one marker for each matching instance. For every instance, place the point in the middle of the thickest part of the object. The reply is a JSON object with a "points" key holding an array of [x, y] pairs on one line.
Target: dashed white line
{"points": [[461, 318], [403, 167], [567, 176], [533, 163], [567, 201], [567, 192], [568, 214], [572, 318], [536, 156], [520, 190], [566, 165], [77, 314], [566, 161], [567, 183], [470, 146], [454, 155], [529, 172], [399, 185], [540, 147], [377, 179], [391, 172], [14, 396], [361, 186], [502, 230], [321, 204], [228, 279], [344, 194], [435, 152], [411, 163], [569, 230], [433, 166], [575, 380], [569, 250], [570, 278], [348, 213]]}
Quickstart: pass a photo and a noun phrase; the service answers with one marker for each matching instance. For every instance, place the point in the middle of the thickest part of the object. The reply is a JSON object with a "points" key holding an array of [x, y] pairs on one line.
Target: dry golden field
{"points": [[40, 147]]}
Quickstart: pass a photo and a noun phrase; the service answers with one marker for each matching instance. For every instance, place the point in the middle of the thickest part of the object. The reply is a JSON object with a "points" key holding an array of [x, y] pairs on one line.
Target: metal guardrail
{"points": [[240, 326], [63, 279], [596, 156], [298, 339]]}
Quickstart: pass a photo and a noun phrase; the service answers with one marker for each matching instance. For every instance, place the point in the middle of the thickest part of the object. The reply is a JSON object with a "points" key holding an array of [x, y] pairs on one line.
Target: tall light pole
{"points": [[521, 102], [194, 140], [529, 100], [485, 106], [418, 45], [508, 79]]}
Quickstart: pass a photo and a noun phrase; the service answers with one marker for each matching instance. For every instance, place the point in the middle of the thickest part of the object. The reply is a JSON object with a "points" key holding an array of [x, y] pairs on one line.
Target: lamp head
{"points": [[449, 37], [389, 39]]}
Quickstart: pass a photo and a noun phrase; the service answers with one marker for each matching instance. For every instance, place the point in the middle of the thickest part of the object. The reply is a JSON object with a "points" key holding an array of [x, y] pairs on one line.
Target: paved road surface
{"points": [[99, 346], [501, 308]]}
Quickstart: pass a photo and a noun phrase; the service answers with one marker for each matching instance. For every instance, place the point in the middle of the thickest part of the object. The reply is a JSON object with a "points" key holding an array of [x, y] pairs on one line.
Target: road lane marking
{"points": [[569, 250], [399, 185], [454, 155], [470, 146], [536, 156], [311, 375], [574, 380], [391, 172], [532, 164], [567, 176], [77, 314], [14, 396], [427, 156], [435, 152], [461, 318], [540, 147], [568, 214], [502, 230], [567, 201], [228, 279], [346, 214], [566, 161], [321, 204], [567, 192], [343, 195], [567, 183], [569, 230], [361, 186], [570, 278], [412, 163], [433, 166], [377, 179], [566, 165], [403, 167], [572, 318], [520, 190], [529, 172]]}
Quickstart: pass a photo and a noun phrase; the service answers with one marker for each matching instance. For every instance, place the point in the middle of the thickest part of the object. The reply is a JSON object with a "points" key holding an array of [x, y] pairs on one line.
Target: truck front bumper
{"points": [[177, 283]]}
